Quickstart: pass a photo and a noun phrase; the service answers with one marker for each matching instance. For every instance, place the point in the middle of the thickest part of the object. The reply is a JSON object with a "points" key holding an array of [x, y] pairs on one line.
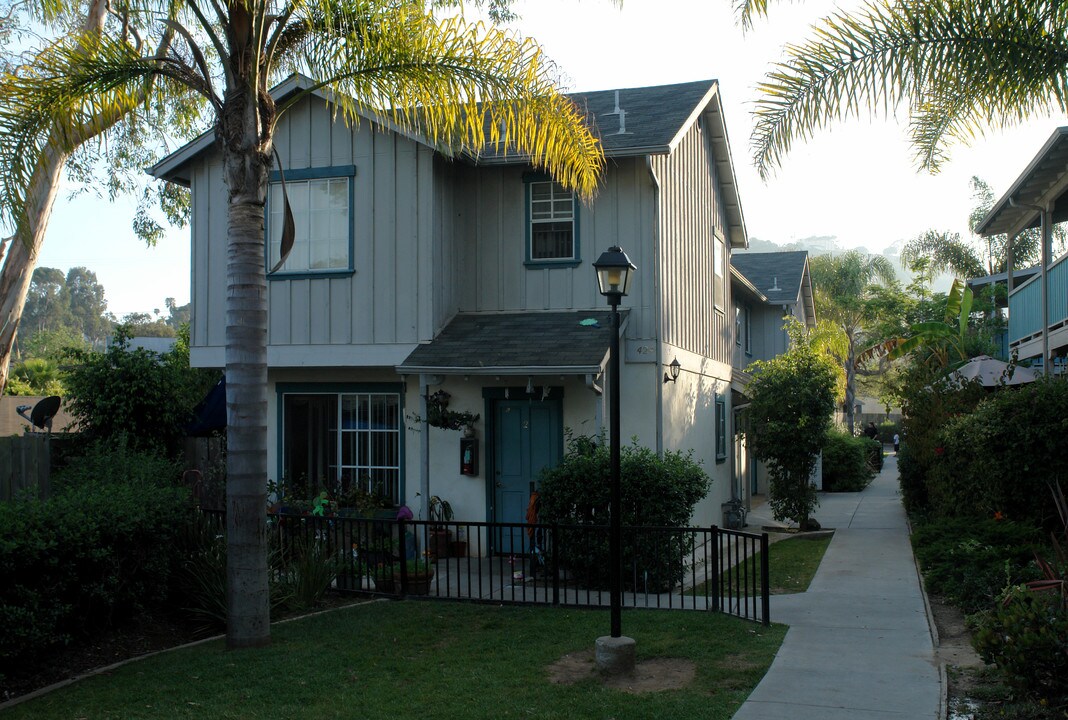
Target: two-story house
{"points": [[1038, 297], [415, 273], [767, 288]]}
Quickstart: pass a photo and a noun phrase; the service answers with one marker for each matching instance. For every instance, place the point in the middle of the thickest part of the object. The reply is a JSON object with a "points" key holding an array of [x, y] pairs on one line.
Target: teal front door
{"points": [[528, 436]]}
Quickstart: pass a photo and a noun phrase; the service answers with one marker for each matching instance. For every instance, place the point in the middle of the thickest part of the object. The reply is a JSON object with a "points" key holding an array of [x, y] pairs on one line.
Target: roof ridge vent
{"points": [[616, 110], [622, 117], [775, 284]]}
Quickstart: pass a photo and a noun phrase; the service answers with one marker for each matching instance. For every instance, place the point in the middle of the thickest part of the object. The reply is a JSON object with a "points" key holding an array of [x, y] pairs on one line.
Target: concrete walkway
{"points": [[859, 644]]}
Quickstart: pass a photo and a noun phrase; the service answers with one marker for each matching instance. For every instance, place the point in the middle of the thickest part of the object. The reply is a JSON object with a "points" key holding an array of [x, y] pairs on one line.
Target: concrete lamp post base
{"points": [[615, 655]]}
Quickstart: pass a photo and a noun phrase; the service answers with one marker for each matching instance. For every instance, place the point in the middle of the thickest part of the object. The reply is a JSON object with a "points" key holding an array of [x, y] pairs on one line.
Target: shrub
{"points": [[969, 561], [1026, 635], [790, 409], [117, 459], [143, 394], [93, 554], [928, 404], [846, 462], [655, 492], [1000, 457], [887, 430], [295, 580]]}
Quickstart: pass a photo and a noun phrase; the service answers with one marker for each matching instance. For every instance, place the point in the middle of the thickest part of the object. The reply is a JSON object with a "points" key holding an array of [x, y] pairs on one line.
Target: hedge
{"points": [[93, 554], [847, 462], [1000, 458]]}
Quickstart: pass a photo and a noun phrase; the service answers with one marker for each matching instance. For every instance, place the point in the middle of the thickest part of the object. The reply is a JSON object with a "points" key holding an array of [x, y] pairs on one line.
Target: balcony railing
{"points": [[1025, 303]]}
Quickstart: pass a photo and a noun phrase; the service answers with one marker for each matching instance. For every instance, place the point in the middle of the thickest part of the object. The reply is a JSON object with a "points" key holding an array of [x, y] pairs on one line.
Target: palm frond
{"points": [[946, 251], [959, 66], [462, 86], [746, 11], [74, 90]]}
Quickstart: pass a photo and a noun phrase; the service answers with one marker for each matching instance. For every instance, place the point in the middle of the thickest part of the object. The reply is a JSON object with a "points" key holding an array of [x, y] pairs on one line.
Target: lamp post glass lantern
{"points": [[614, 274]]}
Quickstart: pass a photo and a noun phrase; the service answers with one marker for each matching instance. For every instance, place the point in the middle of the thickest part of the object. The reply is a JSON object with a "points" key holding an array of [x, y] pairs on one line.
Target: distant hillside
{"points": [[828, 245]]}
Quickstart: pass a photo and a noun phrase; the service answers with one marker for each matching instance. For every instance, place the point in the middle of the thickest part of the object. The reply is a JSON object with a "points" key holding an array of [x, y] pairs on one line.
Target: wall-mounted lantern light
{"points": [[673, 371]]}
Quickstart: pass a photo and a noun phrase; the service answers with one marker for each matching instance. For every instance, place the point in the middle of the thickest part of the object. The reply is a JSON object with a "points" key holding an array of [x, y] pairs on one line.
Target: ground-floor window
{"points": [[344, 442], [721, 428]]}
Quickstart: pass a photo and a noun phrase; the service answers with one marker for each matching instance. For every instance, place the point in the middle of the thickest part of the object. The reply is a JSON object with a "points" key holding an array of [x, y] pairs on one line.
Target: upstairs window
{"points": [[743, 327], [322, 214], [551, 212]]}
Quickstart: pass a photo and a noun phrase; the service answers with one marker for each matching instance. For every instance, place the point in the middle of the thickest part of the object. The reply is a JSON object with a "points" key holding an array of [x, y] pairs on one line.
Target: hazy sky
{"points": [[855, 181]]}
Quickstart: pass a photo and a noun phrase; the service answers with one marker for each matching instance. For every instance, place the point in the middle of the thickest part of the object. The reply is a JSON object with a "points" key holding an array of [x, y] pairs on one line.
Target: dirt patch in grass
{"points": [[955, 650], [652, 675]]}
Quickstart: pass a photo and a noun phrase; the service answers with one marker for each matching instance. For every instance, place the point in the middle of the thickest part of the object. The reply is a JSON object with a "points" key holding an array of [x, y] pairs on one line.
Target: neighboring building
{"points": [[414, 273], [767, 288], [1038, 301], [1001, 339]]}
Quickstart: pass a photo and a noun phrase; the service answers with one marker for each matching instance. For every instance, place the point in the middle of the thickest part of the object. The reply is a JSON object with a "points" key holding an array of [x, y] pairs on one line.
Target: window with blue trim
{"points": [[322, 214], [551, 213], [343, 442]]}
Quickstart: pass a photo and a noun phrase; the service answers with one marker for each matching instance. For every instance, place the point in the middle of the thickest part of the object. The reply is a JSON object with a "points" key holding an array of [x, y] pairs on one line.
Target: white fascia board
{"points": [[502, 370], [711, 103]]}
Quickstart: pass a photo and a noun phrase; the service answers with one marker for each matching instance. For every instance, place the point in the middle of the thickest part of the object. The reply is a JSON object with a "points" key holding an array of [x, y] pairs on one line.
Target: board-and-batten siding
{"points": [[387, 299], [690, 213], [494, 275]]}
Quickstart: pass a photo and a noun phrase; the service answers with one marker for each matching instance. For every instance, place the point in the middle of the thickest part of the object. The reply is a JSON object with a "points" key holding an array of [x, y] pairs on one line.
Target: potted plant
{"points": [[440, 512], [458, 547], [419, 573]]}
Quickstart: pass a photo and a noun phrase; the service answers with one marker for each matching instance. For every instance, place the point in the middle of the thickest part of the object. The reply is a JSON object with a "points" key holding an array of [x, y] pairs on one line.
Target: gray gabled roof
{"points": [[520, 343], [654, 120], [778, 275]]}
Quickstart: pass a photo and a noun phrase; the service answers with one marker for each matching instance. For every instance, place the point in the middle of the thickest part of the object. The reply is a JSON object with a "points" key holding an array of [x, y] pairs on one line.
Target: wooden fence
{"points": [[25, 465]]}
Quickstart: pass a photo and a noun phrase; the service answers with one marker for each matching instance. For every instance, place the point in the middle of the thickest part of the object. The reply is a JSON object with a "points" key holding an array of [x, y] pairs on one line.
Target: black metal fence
{"points": [[663, 567]]}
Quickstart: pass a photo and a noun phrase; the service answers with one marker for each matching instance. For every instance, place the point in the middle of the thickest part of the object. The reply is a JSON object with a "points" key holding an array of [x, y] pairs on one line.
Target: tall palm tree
{"points": [[947, 251], [959, 67], [459, 85], [841, 288]]}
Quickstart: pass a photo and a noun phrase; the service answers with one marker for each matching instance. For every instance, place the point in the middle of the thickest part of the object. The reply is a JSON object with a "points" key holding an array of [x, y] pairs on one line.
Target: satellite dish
{"points": [[43, 412]]}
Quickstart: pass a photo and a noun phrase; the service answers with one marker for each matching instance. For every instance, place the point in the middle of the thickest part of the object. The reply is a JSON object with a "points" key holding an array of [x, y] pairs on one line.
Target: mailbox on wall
{"points": [[469, 456]]}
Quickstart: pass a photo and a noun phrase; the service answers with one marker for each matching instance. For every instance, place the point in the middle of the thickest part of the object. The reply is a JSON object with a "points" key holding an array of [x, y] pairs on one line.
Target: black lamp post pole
{"points": [[614, 530]]}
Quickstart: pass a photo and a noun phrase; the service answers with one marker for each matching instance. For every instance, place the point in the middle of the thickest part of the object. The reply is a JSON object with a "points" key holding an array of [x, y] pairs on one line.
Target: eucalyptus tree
{"points": [[842, 285], [31, 167], [957, 67], [459, 85]]}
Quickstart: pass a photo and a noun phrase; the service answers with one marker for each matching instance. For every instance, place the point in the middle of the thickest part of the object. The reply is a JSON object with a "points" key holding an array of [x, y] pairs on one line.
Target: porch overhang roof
{"points": [[1043, 184], [520, 343]]}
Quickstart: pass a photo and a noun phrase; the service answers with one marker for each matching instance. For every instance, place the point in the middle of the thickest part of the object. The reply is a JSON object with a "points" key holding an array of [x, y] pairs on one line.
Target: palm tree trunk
{"points": [[248, 607], [246, 163], [851, 385]]}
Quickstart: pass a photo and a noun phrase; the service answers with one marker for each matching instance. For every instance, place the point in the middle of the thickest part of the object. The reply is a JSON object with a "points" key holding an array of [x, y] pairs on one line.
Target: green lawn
{"points": [[793, 562], [428, 660]]}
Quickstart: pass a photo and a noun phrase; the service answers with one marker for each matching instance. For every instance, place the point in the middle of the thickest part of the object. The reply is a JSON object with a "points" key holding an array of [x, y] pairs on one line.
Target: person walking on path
{"points": [[859, 645], [897, 442]]}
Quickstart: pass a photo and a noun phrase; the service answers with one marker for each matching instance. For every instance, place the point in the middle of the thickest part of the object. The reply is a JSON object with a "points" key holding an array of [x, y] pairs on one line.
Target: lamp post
{"points": [[614, 274]]}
